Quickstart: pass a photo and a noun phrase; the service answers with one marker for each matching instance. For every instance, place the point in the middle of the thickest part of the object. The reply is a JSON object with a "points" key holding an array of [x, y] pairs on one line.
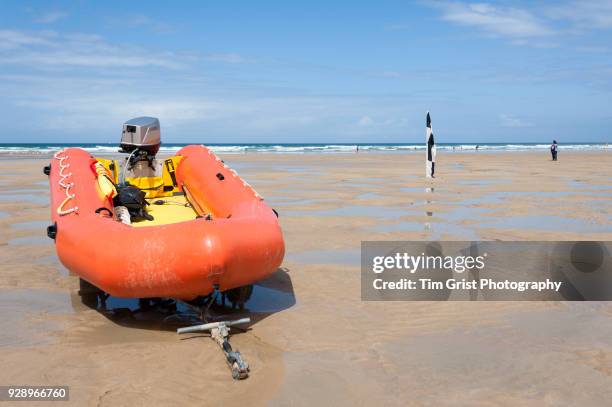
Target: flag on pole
{"points": [[431, 150]]}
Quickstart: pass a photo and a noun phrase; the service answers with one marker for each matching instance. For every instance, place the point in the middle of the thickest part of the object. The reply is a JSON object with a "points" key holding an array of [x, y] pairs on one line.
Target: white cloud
{"points": [[532, 25], [584, 14], [598, 49], [69, 81], [509, 120], [65, 104], [386, 121], [230, 58], [536, 44], [50, 17], [48, 49], [365, 121], [140, 20], [12, 39], [496, 20]]}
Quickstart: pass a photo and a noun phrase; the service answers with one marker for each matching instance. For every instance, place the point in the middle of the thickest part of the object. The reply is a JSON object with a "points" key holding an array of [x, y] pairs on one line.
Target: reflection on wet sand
{"points": [[39, 199], [28, 316], [428, 190], [343, 257], [269, 296], [41, 239], [33, 224]]}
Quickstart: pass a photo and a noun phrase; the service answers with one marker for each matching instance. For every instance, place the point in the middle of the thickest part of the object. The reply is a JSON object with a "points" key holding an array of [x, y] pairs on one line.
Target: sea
{"points": [[297, 148]]}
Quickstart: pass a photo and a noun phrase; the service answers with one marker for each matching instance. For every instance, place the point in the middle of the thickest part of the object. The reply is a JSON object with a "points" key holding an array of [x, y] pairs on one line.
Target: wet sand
{"points": [[314, 340]]}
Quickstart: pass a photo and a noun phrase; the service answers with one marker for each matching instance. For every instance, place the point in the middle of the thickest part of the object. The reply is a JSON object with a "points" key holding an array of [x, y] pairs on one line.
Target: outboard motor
{"points": [[141, 133], [141, 138]]}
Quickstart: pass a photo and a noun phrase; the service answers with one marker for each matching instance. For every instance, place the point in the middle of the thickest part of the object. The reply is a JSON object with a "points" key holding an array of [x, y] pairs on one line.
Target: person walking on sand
{"points": [[553, 150]]}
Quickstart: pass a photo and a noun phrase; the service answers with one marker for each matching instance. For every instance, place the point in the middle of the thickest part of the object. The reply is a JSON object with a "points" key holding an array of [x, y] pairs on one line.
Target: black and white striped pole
{"points": [[431, 150]]}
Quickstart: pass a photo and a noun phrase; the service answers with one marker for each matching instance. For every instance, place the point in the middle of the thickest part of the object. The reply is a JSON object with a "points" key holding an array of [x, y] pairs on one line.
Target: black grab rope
{"points": [[104, 209]]}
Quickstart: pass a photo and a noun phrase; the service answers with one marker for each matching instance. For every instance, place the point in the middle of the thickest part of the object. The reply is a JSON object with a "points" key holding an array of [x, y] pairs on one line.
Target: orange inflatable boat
{"points": [[206, 228]]}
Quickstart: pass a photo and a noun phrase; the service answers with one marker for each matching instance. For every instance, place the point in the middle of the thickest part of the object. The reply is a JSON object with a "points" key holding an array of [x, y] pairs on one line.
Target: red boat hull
{"points": [[242, 244]]}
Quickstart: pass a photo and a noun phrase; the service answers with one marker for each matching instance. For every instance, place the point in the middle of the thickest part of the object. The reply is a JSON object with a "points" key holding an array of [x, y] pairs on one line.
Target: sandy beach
{"points": [[314, 341]]}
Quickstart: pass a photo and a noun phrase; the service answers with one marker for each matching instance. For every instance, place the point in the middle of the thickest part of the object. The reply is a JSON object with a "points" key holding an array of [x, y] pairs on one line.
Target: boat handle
{"points": [[104, 209]]}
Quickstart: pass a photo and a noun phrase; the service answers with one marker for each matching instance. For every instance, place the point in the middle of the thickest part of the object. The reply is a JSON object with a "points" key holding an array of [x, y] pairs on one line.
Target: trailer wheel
{"points": [[239, 296], [90, 294]]}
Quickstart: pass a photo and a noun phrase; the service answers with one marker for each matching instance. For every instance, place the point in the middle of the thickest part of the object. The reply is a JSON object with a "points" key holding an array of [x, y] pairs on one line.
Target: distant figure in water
{"points": [[357, 149], [553, 150], [476, 147]]}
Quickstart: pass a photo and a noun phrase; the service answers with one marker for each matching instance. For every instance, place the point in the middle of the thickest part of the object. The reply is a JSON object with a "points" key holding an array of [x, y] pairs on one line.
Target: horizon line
{"points": [[310, 143]]}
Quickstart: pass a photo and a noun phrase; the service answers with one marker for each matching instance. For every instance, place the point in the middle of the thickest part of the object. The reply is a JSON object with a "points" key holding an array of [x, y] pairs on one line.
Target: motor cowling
{"points": [[141, 133]]}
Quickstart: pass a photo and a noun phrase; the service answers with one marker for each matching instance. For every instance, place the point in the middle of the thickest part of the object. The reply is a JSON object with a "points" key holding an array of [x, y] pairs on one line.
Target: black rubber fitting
{"points": [[52, 231], [104, 209]]}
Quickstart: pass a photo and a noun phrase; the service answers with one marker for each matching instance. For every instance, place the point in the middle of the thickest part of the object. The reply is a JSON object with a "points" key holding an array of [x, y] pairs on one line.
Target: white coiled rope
{"points": [[64, 165]]}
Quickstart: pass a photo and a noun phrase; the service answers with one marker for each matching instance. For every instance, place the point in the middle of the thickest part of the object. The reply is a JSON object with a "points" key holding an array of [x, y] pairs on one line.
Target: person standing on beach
{"points": [[553, 150]]}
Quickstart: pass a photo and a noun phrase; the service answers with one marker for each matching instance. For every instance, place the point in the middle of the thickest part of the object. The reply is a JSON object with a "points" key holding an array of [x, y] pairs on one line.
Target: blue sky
{"points": [[278, 71]]}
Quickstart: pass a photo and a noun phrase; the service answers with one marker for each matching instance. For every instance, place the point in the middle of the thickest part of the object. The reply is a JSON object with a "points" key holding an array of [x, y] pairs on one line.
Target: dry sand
{"points": [[315, 341]]}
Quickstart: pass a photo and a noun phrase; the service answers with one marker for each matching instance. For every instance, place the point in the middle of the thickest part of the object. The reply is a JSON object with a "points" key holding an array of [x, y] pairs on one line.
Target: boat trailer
{"points": [[219, 332]]}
